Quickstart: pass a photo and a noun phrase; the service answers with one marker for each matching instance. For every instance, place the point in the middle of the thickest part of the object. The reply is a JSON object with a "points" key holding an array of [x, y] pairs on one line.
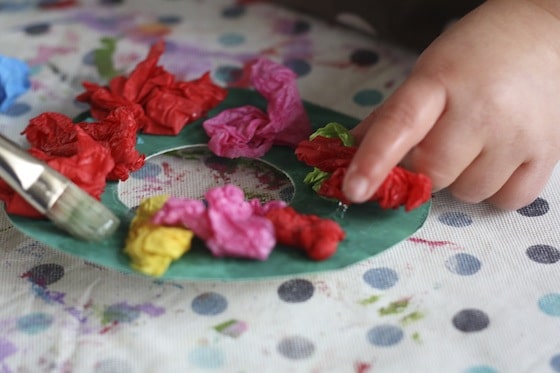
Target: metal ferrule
{"points": [[31, 178]]}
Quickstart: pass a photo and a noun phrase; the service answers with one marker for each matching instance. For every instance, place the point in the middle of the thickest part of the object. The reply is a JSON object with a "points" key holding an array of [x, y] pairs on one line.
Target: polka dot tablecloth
{"points": [[475, 290]]}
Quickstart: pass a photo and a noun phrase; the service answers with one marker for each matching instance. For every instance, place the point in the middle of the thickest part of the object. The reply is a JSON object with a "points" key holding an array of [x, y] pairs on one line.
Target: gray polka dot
{"points": [[209, 304], [385, 335], [455, 219], [296, 347], [555, 363], [471, 320], [381, 278], [537, 208], [543, 254], [296, 290], [45, 274], [463, 264]]}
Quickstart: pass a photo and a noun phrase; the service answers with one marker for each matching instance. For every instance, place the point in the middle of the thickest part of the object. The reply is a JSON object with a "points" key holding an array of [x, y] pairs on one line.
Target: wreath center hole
{"points": [[190, 171]]}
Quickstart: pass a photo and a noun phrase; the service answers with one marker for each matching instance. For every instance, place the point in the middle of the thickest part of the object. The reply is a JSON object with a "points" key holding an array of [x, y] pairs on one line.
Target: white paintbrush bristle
{"points": [[81, 215]]}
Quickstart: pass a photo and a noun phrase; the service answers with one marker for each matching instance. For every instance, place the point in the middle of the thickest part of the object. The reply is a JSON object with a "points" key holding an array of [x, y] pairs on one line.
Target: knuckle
{"points": [[521, 191], [402, 117], [421, 160]]}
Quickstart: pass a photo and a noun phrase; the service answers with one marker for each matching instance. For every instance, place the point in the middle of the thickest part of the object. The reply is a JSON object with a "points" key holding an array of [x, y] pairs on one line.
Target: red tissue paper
{"points": [[164, 105], [84, 161], [88, 154], [55, 134], [400, 188], [316, 236]]}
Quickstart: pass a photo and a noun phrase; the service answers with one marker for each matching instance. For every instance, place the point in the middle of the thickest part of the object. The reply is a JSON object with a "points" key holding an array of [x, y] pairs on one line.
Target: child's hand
{"points": [[480, 112]]}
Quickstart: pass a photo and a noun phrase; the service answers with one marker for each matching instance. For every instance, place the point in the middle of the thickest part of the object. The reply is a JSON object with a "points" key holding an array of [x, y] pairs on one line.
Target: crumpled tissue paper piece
{"points": [[165, 105], [316, 236], [230, 225], [326, 152], [230, 139], [400, 188], [86, 163], [247, 131], [152, 248], [14, 81], [55, 134]]}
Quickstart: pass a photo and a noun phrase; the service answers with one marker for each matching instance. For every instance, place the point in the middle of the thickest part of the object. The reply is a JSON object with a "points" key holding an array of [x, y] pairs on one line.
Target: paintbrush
{"points": [[54, 195]]}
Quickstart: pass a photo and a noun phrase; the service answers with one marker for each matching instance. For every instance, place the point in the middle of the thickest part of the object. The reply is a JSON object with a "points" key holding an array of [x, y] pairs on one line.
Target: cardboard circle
{"points": [[369, 229]]}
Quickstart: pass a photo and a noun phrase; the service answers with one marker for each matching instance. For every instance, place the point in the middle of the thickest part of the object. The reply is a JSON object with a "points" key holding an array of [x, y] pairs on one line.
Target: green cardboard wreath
{"points": [[369, 229]]}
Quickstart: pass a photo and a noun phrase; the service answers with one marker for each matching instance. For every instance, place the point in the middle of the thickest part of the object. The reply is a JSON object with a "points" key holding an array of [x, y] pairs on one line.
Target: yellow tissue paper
{"points": [[152, 247]]}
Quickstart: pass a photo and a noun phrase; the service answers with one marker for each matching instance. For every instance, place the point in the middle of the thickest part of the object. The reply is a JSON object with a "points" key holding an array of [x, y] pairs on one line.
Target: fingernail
{"points": [[356, 188]]}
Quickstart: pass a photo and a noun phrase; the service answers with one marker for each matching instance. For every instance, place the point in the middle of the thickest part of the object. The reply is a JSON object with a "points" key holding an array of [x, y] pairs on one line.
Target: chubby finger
{"points": [[484, 177], [450, 149], [523, 187], [398, 125]]}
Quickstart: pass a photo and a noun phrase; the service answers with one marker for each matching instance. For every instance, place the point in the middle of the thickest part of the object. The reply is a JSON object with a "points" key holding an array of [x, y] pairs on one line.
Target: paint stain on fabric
{"points": [[103, 58], [33, 249], [170, 283], [77, 314], [120, 312], [125, 313], [416, 337], [7, 349], [34, 323], [232, 328], [151, 309], [149, 32], [395, 307], [411, 318], [369, 300], [56, 297], [48, 296], [46, 53], [361, 367], [434, 244]]}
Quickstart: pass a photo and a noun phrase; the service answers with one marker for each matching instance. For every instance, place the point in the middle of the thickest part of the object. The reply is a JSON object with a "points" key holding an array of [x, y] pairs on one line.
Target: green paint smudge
{"points": [[394, 307], [103, 58], [412, 317], [233, 328], [416, 337], [370, 300]]}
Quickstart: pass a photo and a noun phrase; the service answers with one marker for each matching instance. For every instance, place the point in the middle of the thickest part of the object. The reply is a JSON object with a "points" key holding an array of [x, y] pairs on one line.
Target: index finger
{"points": [[393, 129]]}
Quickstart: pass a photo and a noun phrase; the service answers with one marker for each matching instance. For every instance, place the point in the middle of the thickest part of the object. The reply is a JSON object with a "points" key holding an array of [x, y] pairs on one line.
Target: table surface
{"points": [[475, 290]]}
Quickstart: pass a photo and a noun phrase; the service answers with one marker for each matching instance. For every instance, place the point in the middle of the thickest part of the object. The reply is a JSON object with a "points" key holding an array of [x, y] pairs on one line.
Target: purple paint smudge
{"points": [[7, 348], [151, 309], [47, 295]]}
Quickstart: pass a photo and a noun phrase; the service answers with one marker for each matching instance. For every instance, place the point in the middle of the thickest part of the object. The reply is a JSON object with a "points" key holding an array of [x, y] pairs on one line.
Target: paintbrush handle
{"points": [[26, 175]]}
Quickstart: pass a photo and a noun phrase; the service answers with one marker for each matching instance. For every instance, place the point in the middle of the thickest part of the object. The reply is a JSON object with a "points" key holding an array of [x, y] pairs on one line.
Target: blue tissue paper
{"points": [[14, 81]]}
